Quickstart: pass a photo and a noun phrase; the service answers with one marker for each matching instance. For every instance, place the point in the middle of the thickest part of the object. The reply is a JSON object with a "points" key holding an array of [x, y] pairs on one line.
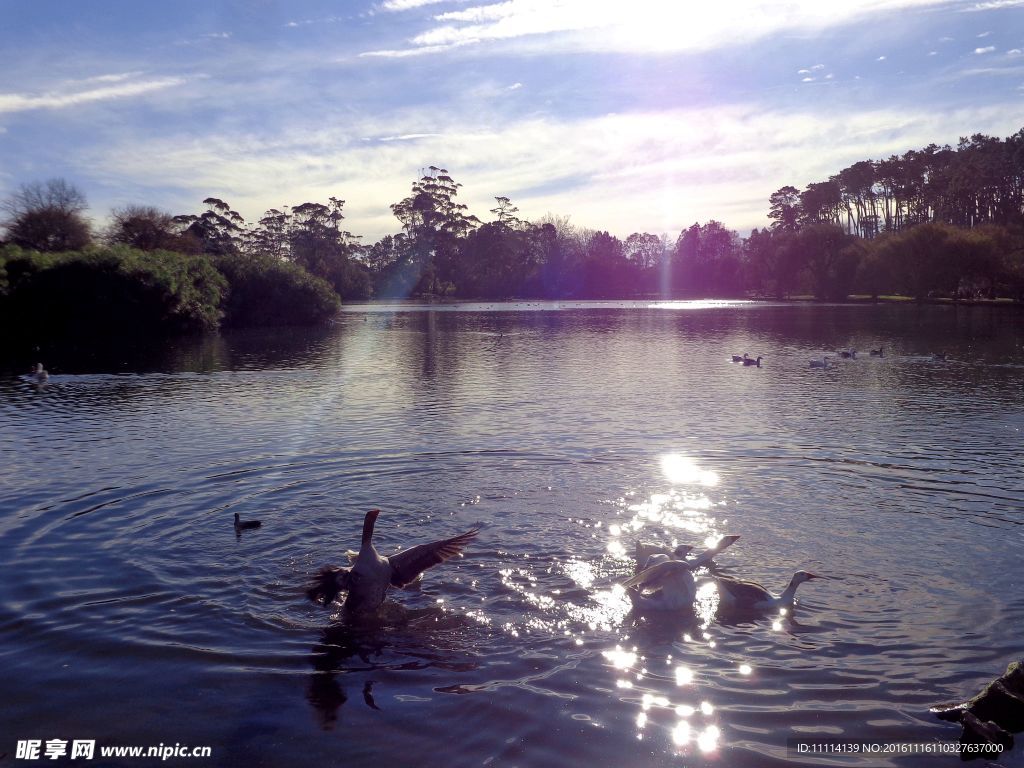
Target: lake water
{"points": [[132, 614]]}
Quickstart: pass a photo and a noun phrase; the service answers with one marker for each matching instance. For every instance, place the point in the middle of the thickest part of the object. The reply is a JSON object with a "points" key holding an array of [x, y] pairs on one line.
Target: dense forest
{"points": [[936, 222]]}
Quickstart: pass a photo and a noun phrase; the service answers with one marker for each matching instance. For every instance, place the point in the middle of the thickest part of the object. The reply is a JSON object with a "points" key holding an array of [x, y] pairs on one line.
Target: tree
{"points": [[433, 224], [606, 271], [707, 260], [218, 230], [148, 229], [785, 209], [47, 216], [830, 258]]}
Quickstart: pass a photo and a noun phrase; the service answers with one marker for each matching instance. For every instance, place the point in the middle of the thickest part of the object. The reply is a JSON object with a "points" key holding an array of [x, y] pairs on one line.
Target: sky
{"points": [[642, 116]]}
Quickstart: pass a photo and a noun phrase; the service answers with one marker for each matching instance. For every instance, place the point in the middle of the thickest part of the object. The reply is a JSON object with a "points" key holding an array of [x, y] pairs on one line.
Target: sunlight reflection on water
{"points": [[900, 475]]}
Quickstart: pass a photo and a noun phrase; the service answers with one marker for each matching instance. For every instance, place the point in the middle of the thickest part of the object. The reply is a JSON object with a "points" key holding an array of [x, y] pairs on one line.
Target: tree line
{"points": [[932, 222]]}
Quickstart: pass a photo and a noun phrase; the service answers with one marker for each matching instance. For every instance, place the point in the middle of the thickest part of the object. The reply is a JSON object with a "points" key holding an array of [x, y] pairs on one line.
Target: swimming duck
{"points": [[880, 352], [939, 357], [245, 525], [757, 362], [39, 374], [847, 354], [823, 363], [739, 359], [370, 575], [737, 594]]}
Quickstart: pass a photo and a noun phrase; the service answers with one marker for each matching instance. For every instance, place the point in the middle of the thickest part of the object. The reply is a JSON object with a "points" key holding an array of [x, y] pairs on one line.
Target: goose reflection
{"points": [[337, 645], [396, 639]]}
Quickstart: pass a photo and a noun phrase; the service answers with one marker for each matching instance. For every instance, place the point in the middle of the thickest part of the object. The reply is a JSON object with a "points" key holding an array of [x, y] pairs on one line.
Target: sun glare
{"points": [[681, 470]]}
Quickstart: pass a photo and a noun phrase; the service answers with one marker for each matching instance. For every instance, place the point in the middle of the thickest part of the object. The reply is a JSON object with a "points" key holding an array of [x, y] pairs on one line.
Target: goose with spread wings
{"points": [[370, 574], [666, 583]]}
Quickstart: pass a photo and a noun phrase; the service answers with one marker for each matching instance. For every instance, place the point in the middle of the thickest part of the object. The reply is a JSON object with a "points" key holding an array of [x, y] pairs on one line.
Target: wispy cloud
{"points": [[994, 5], [405, 5], [402, 137], [72, 94], [639, 26], [986, 49]]}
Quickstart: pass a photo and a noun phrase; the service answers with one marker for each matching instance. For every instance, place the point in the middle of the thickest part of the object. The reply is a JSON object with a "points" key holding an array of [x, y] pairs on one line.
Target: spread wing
{"points": [[326, 585], [655, 576], [642, 551], [407, 565], [705, 557]]}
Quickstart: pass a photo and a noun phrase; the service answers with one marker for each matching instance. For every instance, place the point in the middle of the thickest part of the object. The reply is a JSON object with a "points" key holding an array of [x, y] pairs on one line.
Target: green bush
{"points": [[108, 292], [264, 290]]}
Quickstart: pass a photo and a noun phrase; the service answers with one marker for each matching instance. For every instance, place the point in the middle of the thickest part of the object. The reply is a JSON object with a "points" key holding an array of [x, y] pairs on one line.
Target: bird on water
{"points": [[367, 580], [39, 374], [666, 581], [739, 595], [757, 362], [245, 525]]}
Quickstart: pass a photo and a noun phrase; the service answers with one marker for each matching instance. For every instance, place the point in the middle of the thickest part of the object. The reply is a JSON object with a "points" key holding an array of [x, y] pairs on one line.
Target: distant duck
{"points": [[757, 362], [666, 583], [740, 595], [740, 359], [370, 576], [847, 354], [246, 525], [823, 363], [39, 374], [939, 358], [880, 352]]}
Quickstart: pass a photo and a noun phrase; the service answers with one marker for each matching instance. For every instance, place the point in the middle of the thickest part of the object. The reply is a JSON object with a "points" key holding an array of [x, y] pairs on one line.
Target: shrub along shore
{"points": [[119, 293]]}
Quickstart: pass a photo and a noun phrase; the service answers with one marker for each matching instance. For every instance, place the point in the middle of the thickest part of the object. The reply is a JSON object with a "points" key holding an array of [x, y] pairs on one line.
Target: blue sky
{"points": [[639, 116]]}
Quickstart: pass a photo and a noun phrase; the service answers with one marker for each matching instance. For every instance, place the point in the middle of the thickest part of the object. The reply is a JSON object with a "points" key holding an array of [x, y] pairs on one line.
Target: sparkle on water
{"points": [[567, 433]]}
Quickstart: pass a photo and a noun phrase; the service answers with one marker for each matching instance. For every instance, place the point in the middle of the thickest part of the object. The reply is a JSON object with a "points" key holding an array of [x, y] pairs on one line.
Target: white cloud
{"points": [[994, 5], [403, 53], [880, 58], [403, 137], [405, 5], [639, 26], [986, 49], [66, 96], [734, 158]]}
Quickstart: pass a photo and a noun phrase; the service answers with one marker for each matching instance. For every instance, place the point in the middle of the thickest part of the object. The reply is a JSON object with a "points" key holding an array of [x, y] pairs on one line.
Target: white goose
{"points": [[740, 595], [669, 579], [370, 575], [646, 554]]}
